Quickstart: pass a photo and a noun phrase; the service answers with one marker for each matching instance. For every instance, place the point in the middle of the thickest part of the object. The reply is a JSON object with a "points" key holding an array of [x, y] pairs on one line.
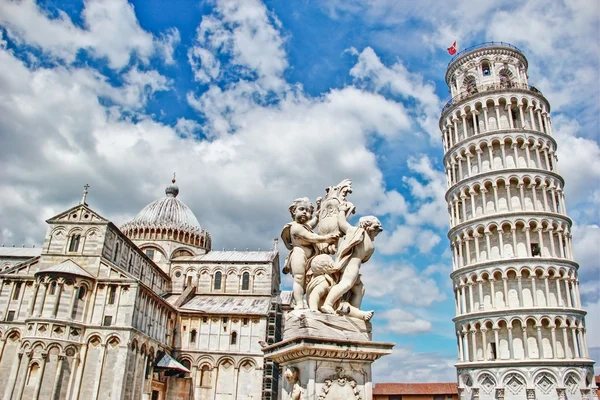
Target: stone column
{"points": [[547, 289], [566, 343], [584, 346], [40, 307], [470, 284], [460, 346], [520, 291], [484, 343], [74, 371], [98, 376], [31, 305], [505, 284], [55, 387], [492, 292], [534, 291], [72, 302], [510, 343], [525, 344], [81, 363], [480, 287], [576, 352], [483, 201], [23, 380], [497, 342], [491, 155], [561, 303], [14, 372], [510, 116], [540, 344], [520, 106], [568, 293], [553, 334], [474, 343], [530, 108], [485, 119], [59, 288]]}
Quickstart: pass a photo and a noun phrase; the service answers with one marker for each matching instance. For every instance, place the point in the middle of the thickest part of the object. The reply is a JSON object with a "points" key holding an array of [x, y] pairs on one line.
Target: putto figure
{"points": [[332, 285], [299, 238]]}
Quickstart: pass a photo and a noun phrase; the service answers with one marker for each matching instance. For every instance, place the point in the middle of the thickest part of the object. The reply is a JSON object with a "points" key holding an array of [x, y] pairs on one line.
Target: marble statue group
{"points": [[326, 264]]}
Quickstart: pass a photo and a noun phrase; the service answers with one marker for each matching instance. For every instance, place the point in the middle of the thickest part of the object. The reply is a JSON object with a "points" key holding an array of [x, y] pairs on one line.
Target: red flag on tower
{"points": [[452, 49]]}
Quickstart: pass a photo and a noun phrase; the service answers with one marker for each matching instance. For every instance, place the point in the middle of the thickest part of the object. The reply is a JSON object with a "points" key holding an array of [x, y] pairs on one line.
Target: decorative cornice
{"points": [[521, 261], [312, 347]]}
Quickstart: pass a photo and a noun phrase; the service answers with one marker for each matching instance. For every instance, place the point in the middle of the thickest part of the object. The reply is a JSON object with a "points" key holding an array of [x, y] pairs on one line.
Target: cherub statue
{"points": [[299, 238], [327, 211], [356, 248], [292, 375], [321, 277]]}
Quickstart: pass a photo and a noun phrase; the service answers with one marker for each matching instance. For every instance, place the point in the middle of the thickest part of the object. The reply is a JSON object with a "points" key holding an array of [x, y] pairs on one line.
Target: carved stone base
{"points": [[326, 357]]}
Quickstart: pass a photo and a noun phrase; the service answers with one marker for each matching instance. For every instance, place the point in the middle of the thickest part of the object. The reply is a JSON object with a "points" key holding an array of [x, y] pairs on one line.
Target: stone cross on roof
{"points": [[85, 193]]}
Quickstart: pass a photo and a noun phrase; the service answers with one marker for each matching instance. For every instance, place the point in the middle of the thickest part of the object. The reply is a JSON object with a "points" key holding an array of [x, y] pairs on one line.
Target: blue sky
{"points": [[255, 104]]}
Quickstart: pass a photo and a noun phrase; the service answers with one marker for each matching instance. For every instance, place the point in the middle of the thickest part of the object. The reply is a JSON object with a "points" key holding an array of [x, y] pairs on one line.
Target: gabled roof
{"points": [[20, 252], [232, 305], [433, 388], [232, 256], [168, 362], [79, 213], [66, 267]]}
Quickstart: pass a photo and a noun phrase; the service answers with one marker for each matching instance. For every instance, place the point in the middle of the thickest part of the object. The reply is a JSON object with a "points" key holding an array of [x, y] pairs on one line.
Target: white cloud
{"points": [[110, 29], [403, 322], [400, 82], [427, 186], [399, 284], [407, 365], [248, 33]]}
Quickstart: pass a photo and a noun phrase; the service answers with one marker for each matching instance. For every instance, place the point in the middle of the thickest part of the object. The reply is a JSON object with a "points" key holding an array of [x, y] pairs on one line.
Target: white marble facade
{"points": [[92, 314], [520, 326]]}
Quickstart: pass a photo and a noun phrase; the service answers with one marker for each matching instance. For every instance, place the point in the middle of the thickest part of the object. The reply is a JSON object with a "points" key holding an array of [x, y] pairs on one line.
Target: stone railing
{"points": [[482, 46], [487, 88]]}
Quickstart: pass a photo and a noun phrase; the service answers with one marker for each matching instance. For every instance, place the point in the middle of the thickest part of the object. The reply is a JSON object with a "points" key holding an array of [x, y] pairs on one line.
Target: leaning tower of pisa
{"points": [[520, 327]]}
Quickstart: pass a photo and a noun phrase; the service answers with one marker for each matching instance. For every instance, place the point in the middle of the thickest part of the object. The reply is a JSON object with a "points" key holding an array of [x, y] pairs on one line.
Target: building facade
{"points": [[520, 325], [147, 311]]}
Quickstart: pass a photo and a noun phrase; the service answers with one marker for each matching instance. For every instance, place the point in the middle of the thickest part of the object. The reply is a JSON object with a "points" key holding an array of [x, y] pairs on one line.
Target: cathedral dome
{"points": [[168, 212], [167, 218]]}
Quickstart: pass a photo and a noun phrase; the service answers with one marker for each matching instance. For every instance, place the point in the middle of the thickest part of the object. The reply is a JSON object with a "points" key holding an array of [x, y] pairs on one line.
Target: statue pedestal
{"points": [[326, 357]]}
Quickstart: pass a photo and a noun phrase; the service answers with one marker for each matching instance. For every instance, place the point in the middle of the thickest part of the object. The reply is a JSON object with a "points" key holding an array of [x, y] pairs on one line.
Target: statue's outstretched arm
{"points": [[311, 237], [342, 223]]}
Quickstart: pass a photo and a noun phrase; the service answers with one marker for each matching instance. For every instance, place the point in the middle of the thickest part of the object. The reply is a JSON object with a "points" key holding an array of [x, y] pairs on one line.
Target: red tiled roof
{"points": [[415, 388]]}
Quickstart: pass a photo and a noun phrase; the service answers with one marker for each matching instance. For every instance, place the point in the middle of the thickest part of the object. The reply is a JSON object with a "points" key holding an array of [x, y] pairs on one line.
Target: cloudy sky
{"points": [[254, 104]]}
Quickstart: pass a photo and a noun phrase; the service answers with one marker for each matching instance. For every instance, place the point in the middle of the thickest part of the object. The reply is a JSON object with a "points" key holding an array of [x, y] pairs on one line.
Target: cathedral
{"points": [[143, 311]]}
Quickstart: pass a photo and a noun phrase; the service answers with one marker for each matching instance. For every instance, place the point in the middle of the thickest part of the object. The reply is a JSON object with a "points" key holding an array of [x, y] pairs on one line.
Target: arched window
{"points": [[233, 337], [218, 280], [485, 68], [205, 376], [245, 281], [470, 84], [81, 293], [188, 365], [53, 288], [74, 243], [116, 253], [112, 293], [33, 373], [193, 335]]}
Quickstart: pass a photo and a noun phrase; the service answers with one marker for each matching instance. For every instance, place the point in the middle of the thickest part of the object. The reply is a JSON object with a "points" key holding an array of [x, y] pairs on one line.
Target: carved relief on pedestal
{"points": [[292, 375], [339, 387]]}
